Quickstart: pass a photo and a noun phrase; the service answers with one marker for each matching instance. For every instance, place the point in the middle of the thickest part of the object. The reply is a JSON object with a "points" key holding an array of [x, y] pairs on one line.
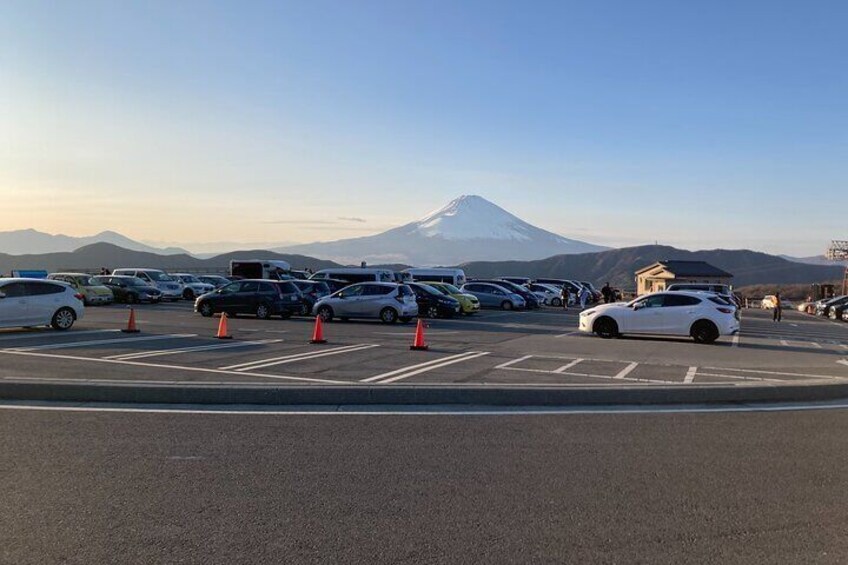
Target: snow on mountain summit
{"points": [[473, 217]]}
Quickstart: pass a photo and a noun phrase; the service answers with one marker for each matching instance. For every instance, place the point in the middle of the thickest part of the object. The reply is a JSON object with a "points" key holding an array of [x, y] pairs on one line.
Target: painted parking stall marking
{"points": [[175, 351], [274, 361], [88, 343], [412, 370]]}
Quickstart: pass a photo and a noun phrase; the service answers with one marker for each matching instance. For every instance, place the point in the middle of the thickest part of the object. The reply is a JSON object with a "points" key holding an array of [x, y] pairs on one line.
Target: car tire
{"points": [[388, 316], [704, 331], [605, 327], [432, 312], [63, 319], [206, 310], [325, 313], [188, 294], [263, 312], [506, 305], [556, 302]]}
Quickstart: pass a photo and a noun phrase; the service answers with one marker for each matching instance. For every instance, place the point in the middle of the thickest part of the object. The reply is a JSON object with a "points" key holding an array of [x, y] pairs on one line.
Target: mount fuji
{"points": [[469, 228]]}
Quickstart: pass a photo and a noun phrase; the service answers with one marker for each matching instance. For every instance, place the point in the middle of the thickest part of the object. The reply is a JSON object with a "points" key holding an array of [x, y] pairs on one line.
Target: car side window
{"points": [[231, 288], [354, 290], [671, 300], [14, 290], [496, 291], [38, 289], [266, 287], [249, 286]]}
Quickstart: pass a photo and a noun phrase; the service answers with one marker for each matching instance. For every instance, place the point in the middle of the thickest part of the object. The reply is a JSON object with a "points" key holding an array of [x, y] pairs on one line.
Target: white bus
{"points": [[455, 277], [356, 274], [260, 269]]}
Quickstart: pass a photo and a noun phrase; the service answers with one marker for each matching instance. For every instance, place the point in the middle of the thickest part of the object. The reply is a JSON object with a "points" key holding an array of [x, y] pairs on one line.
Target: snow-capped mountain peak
{"points": [[473, 217]]}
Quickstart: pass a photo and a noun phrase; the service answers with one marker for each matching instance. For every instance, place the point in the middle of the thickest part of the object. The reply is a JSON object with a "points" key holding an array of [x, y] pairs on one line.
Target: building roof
{"points": [[688, 269]]}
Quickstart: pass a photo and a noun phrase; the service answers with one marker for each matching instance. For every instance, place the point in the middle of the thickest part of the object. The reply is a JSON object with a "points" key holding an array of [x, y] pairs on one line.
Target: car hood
{"points": [[609, 307]]}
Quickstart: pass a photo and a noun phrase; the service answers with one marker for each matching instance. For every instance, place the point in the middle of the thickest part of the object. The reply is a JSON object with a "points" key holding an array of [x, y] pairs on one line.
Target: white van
{"points": [[172, 288], [356, 275], [456, 277], [260, 269]]}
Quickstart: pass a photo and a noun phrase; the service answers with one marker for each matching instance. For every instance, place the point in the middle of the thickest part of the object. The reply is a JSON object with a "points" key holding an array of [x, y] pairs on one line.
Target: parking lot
{"points": [[535, 348]]}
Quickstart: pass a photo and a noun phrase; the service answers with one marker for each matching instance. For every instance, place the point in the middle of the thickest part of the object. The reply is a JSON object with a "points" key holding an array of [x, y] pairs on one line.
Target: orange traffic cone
{"points": [[222, 328], [131, 327], [418, 344], [318, 333]]}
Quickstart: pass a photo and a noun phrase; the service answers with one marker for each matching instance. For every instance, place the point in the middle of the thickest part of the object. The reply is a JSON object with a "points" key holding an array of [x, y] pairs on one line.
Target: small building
{"points": [[658, 276]]}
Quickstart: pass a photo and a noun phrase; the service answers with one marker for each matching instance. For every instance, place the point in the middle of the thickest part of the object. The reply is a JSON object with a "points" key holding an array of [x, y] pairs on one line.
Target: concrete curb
{"points": [[481, 395]]}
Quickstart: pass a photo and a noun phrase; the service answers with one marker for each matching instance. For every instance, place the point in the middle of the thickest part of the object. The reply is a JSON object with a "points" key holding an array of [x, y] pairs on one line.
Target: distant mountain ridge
{"points": [[30, 241], [467, 228], [616, 266]]}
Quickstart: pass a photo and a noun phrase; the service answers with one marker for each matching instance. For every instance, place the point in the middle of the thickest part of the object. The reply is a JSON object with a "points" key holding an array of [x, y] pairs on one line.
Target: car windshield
{"points": [[160, 277], [429, 289], [88, 281], [134, 281], [189, 279], [450, 288]]}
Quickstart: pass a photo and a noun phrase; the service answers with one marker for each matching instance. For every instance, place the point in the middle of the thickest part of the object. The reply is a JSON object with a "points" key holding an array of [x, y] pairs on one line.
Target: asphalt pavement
{"points": [[94, 487]]}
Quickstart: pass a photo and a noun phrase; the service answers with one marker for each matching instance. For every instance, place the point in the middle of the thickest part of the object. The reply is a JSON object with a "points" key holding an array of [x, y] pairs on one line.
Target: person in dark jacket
{"points": [[778, 308], [606, 292]]}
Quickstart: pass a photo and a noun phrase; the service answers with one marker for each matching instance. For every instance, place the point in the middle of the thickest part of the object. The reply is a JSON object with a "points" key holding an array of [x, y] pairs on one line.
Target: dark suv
{"points": [[432, 303], [312, 292], [262, 298]]}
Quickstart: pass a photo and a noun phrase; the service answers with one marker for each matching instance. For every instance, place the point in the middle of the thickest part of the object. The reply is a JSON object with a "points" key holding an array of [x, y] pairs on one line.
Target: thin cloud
{"points": [[352, 219]]}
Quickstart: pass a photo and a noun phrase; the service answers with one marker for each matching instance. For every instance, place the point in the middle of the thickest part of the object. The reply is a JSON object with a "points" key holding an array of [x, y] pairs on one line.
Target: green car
{"points": [[468, 303], [92, 291]]}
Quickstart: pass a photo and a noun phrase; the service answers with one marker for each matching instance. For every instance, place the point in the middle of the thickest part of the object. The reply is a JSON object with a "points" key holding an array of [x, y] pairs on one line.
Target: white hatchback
{"points": [[38, 302], [704, 317]]}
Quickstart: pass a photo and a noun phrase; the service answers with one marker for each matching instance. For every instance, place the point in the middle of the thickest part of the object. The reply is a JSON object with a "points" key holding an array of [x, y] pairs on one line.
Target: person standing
{"points": [[563, 295], [606, 291], [584, 296], [778, 308]]}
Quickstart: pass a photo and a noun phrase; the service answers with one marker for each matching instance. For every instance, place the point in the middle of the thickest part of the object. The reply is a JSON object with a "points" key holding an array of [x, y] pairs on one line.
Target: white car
{"points": [[38, 302], [702, 316], [192, 286], [547, 293]]}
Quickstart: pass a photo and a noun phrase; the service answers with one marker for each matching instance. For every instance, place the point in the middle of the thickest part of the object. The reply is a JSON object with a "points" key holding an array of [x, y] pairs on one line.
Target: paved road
{"points": [[525, 348], [616, 488]]}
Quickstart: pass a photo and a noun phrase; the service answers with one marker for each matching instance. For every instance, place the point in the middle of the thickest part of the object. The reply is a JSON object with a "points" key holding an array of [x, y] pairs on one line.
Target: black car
{"points": [[837, 311], [262, 298], [312, 291], [530, 299], [432, 303], [823, 309], [131, 290], [334, 284]]}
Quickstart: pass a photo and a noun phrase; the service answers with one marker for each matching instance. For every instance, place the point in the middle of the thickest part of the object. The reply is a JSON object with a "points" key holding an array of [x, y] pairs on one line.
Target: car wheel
{"points": [[432, 312], [556, 302], [263, 312], [206, 310], [63, 319], [325, 313], [704, 331], [506, 305], [605, 327], [188, 294], [388, 316]]}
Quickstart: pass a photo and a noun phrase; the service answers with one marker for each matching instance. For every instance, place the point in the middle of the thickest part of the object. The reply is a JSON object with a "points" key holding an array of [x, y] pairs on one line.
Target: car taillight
{"points": [[79, 296], [725, 310]]}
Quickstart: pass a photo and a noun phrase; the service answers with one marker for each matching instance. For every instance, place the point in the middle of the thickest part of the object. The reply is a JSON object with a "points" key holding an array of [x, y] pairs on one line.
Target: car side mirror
{"points": [[340, 295], [638, 306]]}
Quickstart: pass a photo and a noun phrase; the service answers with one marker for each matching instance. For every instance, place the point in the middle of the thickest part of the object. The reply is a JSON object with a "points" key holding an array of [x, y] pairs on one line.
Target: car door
{"points": [[247, 298], [645, 316], [678, 313], [349, 301], [43, 300], [14, 305], [227, 298], [478, 291]]}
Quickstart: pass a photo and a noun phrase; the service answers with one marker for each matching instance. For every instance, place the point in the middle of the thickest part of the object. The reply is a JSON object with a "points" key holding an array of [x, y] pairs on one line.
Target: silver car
{"points": [[388, 302]]}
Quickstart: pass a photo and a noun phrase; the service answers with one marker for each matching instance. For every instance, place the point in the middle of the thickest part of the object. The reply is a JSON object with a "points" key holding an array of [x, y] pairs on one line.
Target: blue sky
{"points": [[696, 124]]}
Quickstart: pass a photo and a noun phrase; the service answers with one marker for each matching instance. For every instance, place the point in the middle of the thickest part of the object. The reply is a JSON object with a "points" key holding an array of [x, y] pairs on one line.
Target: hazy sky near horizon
{"points": [[695, 124]]}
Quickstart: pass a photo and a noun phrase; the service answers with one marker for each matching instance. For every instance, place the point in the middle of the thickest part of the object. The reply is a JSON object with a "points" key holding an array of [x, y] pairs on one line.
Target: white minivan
{"points": [[172, 288], [456, 277], [38, 302]]}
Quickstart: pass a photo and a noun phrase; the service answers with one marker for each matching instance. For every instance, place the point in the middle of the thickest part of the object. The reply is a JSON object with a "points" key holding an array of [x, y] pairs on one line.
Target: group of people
{"points": [[584, 295]]}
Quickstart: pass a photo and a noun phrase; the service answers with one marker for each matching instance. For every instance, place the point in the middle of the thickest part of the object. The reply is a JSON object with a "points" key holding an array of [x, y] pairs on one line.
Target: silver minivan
{"points": [[172, 288], [388, 302]]}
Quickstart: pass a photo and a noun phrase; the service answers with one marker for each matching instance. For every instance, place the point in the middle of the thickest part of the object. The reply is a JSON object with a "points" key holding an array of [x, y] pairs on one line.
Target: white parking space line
{"points": [[626, 371], [261, 364], [70, 344], [513, 362], [427, 364], [690, 375], [175, 367], [413, 370], [51, 334], [735, 342], [843, 362], [567, 366], [775, 373], [568, 334], [211, 347]]}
